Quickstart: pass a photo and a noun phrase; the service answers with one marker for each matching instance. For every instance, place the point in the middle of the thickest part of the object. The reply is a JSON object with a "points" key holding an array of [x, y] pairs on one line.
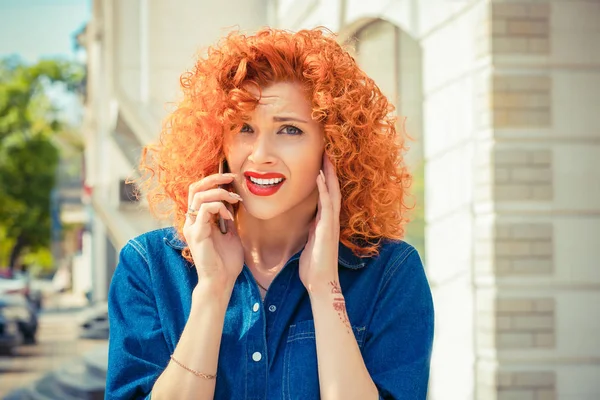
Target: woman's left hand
{"points": [[319, 260]]}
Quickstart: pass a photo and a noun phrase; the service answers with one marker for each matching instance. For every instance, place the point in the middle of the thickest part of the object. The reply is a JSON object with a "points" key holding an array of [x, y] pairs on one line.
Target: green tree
{"points": [[29, 157]]}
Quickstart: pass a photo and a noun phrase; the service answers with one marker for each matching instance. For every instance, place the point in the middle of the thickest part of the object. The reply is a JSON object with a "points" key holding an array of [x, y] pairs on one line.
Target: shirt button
{"points": [[272, 308], [257, 356], [255, 307]]}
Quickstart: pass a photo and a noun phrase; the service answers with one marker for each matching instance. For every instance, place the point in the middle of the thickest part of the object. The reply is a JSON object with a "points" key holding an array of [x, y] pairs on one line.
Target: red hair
{"points": [[360, 133]]}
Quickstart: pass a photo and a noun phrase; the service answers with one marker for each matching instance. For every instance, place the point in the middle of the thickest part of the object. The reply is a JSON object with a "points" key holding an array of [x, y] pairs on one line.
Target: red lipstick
{"points": [[265, 175], [260, 189]]}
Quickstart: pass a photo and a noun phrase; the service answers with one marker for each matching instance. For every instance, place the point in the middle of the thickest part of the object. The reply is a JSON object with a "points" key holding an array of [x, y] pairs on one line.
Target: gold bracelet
{"points": [[200, 374]]}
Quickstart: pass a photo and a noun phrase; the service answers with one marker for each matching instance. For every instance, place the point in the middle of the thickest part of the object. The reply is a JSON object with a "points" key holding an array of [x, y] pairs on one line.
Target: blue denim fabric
{"points": [[388, 300]]}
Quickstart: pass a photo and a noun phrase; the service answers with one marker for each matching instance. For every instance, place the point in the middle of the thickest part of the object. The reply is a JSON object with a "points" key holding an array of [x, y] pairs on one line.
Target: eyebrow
{"points": [[287, 119]]}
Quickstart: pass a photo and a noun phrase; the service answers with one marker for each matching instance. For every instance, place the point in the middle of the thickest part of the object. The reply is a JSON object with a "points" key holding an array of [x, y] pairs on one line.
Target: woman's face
{"points": [[277, 154]]}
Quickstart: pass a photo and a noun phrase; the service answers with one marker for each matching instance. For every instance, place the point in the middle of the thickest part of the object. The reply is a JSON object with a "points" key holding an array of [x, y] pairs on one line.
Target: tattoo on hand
{"points": [[335, 287], [339, 305]]}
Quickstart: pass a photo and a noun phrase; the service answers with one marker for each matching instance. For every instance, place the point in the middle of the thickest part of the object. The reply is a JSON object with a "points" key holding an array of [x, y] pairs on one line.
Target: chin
{"points": [[264, 212], [268, 208]]}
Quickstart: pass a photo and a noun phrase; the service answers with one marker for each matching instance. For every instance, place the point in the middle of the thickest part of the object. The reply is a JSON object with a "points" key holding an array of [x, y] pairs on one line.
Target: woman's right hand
{"points": [[219, 258]]}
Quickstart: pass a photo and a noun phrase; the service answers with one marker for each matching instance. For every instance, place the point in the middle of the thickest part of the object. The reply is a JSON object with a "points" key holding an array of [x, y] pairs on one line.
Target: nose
{"points": [[262, 151]]}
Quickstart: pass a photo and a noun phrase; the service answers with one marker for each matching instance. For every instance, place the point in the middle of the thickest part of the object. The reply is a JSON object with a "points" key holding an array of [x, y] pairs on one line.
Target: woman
{"points": [[310, 293]]}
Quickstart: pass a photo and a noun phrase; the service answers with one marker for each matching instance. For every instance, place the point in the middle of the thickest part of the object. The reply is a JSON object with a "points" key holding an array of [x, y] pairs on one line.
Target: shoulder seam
{"points": [[137, 246], [395, 265], [139, 249]]}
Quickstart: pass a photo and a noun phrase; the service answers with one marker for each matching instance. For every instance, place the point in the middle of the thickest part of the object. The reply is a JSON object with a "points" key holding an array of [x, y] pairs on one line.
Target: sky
{"points": [[35, 29]]}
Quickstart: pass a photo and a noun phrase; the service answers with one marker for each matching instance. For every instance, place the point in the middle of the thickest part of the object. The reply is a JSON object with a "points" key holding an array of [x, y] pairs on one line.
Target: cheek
{"points": [[235, 157], [306, 169]]}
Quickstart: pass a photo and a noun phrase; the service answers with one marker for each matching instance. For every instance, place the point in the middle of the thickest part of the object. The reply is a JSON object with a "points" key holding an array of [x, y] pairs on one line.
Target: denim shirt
{"points": [[268, 349]]}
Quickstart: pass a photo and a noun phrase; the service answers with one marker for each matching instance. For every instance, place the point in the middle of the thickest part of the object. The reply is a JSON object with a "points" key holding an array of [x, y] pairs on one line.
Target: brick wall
{"points": [[523, 249], [522, 175], [519, 28], [516, 174], [523, 323], [514, 384], [526, 385], [515, 324], [509, 323], [521, 101], [514, 101]]}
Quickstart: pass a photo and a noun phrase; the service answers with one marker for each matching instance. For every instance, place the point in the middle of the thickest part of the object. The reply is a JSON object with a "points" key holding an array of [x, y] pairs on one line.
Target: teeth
{"points": [[266, 181]]}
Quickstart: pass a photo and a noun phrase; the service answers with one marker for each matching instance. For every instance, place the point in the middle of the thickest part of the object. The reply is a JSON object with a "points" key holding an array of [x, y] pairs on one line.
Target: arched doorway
{"points": [[393, 59]]}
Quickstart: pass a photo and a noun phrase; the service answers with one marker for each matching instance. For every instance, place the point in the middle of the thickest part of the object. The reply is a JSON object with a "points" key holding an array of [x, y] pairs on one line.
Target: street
{"points": [[57, 343]]}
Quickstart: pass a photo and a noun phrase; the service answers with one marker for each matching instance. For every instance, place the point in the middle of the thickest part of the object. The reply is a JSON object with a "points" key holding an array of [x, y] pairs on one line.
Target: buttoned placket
{"points": [[276, 293], [256, 345]]}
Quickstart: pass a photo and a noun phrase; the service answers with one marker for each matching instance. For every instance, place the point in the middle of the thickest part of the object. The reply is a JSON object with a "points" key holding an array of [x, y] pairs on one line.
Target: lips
{"points": [[266, 175], [263, 189]]}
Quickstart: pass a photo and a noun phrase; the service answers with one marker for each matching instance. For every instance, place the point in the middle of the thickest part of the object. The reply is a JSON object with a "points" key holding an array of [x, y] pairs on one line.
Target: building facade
{"points": [[502, 99]]}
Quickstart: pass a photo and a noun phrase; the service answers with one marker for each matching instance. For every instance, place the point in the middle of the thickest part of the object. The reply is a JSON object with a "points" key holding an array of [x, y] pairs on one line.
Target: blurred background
{"points": [[501, 98]]}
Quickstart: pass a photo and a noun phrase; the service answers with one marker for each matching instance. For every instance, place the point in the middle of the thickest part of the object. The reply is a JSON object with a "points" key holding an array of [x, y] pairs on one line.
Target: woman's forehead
{"points": [[281, 97]]}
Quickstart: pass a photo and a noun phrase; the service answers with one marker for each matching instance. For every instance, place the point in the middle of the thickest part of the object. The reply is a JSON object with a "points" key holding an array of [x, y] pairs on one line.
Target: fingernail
{"points": [[322, 174], [236, 196], [230, 215]]}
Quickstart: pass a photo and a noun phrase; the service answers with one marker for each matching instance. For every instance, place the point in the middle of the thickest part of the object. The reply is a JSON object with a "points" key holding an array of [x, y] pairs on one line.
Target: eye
{"points": [[246, 129], [291, 130]]}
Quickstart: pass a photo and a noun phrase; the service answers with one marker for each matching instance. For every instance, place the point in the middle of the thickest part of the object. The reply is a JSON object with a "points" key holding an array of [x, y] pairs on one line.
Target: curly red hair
{"points": [[360, 133]]}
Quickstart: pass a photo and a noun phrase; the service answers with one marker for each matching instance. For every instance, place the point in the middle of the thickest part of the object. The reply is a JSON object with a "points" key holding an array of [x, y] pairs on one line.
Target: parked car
{"points": [[20, 283], [93, 322], [10, 336], [16, 307]]}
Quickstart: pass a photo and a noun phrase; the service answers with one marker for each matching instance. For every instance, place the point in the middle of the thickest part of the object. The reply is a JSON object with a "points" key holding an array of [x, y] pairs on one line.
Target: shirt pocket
{"points": [[300, 368]]}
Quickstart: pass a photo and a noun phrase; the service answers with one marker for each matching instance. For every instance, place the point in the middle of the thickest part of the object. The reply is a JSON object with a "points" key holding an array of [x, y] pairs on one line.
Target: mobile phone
{"points": [[223, 168]]}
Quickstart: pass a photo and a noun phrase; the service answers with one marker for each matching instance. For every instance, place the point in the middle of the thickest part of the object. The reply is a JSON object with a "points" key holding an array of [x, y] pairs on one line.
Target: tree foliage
{"points": [[29, 156]]}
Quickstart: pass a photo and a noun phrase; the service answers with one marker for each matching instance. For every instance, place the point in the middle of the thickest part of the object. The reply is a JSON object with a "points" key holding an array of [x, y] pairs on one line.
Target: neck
{"points": [[268, 244]]}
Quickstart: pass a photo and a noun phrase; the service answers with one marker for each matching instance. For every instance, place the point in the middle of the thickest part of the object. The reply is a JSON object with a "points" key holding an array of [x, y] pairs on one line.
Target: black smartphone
{"points": [[223, 168]]}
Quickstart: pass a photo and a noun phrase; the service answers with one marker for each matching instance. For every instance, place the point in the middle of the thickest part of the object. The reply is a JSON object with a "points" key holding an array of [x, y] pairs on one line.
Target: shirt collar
{"points": [[172, 239], [346, 257]]}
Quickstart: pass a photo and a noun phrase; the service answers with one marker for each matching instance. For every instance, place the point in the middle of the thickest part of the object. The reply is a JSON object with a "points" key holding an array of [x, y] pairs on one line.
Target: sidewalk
{"points": [[58, 343]]}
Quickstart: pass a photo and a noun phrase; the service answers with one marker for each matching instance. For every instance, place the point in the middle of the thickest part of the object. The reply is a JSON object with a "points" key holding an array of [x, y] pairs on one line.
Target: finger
{"points": [[324, 209], [189, 221], [212, 195], [333, 184], [206, 215], [231, 226], [208, 182], [209, 210]]}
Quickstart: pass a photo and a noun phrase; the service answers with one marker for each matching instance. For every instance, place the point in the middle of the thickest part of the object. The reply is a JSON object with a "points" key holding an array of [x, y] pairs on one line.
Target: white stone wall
{"points": [[158, 40], [537, 204], [126, 32], [451, 153]]}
